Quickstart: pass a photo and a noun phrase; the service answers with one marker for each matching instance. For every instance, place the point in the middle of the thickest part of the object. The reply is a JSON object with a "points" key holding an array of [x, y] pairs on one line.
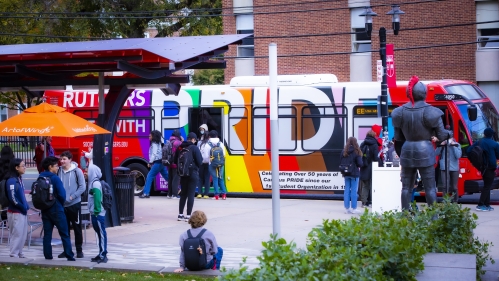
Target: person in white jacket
{"points": [[204, 171], [155, 163], [217, 171]]}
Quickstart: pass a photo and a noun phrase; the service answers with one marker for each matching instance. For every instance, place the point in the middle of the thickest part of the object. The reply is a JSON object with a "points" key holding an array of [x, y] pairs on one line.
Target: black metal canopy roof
{"points": [[145, 60]]}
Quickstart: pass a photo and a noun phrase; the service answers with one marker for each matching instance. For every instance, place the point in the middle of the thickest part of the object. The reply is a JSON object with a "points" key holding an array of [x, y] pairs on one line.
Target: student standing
{"points": [[74, 184], [454, 155], [351, 154], [18, 208], [54, 216], [189, 182], [217, 171], [97, 211], [204, 170]]}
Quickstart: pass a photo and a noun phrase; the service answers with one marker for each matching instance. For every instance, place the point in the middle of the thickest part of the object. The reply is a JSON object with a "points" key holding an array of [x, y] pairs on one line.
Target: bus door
{"points": [[211, 116], [448, 122]]}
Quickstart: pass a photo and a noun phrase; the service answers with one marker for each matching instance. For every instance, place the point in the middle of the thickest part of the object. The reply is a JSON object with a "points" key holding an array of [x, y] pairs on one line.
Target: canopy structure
{"points": [[145, 61]]}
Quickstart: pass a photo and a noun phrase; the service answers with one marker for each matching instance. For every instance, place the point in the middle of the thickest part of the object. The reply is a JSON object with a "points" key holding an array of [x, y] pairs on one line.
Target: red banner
{"points": [[390, 67]]}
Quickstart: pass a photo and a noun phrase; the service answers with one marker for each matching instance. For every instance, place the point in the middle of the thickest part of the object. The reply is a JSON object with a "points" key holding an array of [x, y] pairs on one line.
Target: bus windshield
{"points": [[486, 117], [467, 90]]}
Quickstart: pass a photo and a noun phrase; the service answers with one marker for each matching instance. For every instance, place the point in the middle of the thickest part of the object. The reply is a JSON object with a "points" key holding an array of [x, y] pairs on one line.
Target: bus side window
{"points": [[463, 139]]}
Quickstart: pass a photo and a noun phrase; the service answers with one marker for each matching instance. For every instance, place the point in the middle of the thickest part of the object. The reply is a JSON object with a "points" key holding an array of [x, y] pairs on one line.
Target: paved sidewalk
{"points": [[150, 243]]}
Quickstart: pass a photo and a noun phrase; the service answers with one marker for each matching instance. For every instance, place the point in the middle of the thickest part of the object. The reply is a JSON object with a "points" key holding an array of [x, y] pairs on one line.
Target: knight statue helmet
{"points": [[416, 91]]}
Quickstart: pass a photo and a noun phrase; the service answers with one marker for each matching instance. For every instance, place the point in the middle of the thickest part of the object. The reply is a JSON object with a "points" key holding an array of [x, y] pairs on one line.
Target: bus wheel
{"points": [[140, 177]]}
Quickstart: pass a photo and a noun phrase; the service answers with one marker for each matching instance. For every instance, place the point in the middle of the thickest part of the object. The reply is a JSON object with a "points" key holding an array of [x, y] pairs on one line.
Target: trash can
{"points": [[123, 188]]}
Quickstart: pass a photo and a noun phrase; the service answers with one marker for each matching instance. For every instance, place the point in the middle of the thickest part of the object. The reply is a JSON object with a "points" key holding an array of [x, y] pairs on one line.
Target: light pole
{"points": [[368, 13]]}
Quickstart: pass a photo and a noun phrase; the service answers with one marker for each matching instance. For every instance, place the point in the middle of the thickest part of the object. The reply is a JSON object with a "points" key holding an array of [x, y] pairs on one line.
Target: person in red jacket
{"points": [[377, 129]]}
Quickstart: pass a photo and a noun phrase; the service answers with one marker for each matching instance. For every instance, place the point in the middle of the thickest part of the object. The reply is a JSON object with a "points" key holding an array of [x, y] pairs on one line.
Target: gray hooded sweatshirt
{"points": [[95, 191], [209, 240], [74, 183]]}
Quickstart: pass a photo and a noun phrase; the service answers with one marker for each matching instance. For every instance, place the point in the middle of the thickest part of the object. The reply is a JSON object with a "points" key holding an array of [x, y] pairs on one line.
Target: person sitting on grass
{"points": [[214, 253]]}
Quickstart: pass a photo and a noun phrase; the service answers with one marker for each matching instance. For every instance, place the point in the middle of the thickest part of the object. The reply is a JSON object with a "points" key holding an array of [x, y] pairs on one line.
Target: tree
{"points": [[208, 77]]}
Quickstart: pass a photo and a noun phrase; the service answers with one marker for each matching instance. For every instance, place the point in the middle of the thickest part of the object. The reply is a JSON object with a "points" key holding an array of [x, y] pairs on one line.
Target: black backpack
{"points": [[107, 195], [478, 158], [366, 155], [4, 199], [184, 163], [347, 164], [166, 153], [195, 251], [40, 194]]}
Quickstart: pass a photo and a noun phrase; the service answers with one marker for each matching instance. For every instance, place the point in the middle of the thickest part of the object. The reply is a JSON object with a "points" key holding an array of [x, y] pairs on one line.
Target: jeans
{"points": [[73, 217], [204, 179], [351, 185], [488, 179], [155, 169], [217, 174], [99, 225], [187, 194], [173, 181], [57, 219], [217, 259], [366, 191], [453, 178]]}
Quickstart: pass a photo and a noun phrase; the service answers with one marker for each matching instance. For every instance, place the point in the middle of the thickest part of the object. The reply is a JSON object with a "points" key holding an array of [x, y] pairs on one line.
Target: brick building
{"points": [[282, 19]]}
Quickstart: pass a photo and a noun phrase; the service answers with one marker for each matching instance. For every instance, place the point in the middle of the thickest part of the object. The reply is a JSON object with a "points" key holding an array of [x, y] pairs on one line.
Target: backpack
{"points": [[216, 155], [40, 194], [107, 195], [184, 162], [478, 158], [166, 153], [4, 199], [195, 251], [347, 165], [366, 155]]}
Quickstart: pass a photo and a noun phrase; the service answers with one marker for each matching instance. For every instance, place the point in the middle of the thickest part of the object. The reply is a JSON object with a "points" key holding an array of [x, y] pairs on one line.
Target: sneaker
{"points": [[480, 208], [187, 218], [224, 197], [199, 196], [61, 255], [489, 209], [180, 217], [355, 211], [206, 197], [71, 259], [79, 255], [215, 197], [22, 256], [168, 197], [175, 197], [144, 196], [95, 259], [348, 211], [102, 260]]}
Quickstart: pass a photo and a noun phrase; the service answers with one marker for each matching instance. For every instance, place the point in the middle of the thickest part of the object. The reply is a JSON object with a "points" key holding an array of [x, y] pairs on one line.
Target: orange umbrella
{"points": [[48, 120]]}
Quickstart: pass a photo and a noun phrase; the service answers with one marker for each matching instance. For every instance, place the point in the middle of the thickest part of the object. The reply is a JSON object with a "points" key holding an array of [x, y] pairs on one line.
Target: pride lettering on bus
{"points": [[314, 122]]}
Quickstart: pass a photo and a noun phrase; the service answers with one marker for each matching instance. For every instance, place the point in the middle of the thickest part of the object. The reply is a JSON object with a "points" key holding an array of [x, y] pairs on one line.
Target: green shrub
{"points": [[389, 246]]}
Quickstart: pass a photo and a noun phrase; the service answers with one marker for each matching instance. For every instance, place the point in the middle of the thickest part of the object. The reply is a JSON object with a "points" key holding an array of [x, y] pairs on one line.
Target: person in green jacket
{"points": [[97, 211]]}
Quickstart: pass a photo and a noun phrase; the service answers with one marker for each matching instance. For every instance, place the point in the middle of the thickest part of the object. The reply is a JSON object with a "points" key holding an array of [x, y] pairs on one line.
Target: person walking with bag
{"points": [[18, 207], [169, 150], [155, 162], [350, 161], [454, 155]]}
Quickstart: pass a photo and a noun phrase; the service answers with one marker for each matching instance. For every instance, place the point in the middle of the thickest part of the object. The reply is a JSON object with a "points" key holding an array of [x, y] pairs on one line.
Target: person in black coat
{"points": [[369, 148], [190, 182], [351, 154]]}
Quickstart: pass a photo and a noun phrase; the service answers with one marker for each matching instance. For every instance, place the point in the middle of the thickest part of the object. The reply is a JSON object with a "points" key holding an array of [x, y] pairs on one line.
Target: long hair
{"points": [[6, 155], [352, 142], [13, 173], [156, 136]]}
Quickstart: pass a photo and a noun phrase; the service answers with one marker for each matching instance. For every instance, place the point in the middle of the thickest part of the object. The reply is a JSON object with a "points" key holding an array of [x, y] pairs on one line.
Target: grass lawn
{"points": [[22, 272]]}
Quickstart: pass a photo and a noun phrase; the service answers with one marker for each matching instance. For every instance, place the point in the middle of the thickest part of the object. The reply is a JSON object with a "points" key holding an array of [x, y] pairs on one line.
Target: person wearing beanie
{"points": [[491, 149], [217, 171], [189, 182]]}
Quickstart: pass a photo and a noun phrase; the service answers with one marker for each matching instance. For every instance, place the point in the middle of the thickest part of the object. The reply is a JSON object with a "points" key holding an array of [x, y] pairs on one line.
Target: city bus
{"points": [[316, 116]]}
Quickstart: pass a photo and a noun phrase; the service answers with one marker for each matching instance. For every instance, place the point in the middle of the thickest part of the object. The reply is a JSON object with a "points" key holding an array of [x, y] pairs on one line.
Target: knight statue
{"points": [[415, 123]]}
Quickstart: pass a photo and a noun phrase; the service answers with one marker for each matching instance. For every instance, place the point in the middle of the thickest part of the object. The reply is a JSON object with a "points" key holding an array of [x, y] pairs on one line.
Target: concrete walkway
{"points": [[150, 243]]}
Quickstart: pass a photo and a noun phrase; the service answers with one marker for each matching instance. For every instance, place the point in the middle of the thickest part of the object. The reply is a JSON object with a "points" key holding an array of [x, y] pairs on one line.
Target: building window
{"points": [[3, 112], [485, 36], [361, 42], [247, 47]]}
